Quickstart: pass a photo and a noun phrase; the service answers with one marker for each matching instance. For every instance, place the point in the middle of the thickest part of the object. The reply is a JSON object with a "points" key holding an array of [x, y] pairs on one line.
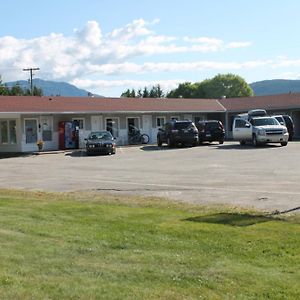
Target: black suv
{"points": [[287, 121], [178, 132], [211, 130]]}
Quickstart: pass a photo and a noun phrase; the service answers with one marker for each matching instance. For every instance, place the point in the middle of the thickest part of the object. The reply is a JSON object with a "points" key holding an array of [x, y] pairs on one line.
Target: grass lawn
{"points": [[85, 246]]}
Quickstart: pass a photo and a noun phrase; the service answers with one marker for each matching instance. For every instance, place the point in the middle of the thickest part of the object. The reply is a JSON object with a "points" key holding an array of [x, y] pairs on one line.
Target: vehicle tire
{"points": [[145, 138], [169, 142], [159, 142], [221, 142], [254, 141], [242, 143], [284, 143]]}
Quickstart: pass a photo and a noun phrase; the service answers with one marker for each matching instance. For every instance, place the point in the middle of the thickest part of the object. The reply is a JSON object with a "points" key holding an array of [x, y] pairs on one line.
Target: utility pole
{"points": [[31, 75]]}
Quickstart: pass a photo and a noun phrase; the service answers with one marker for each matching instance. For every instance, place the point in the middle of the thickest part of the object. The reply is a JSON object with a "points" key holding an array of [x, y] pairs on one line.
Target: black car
{"points": [[178, 132], [100, 142], [287, 121], [210, 131]]}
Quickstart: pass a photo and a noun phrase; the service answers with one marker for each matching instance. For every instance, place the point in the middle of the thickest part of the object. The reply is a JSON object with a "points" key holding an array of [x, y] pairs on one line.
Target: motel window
{"points": [[8, 133], [80, 122], [160, 121]]}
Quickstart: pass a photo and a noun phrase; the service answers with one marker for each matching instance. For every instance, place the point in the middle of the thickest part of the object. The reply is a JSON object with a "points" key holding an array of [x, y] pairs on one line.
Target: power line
{"points": [[31, 75]]}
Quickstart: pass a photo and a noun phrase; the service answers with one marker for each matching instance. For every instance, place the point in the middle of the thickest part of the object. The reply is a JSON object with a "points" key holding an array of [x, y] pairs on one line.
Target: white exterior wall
{"points": [[92, 122]]}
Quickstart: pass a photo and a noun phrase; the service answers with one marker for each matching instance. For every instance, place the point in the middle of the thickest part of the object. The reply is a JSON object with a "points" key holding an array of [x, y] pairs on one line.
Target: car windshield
{"points": [[264, 121], [101, 135]]}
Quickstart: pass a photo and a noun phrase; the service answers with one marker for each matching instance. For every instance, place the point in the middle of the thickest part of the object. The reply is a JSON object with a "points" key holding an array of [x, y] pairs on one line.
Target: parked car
{"points": [[178, 132], [210, 131], [100, 142], [258, 127], [287, 121]]}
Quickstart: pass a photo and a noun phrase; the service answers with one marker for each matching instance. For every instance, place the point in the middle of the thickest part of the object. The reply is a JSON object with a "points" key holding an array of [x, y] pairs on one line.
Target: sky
{"points": [[107, 47]]}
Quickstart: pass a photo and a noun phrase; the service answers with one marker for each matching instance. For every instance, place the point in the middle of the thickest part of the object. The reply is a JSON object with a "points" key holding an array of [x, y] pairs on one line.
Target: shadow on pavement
{"points": [[244, 147], [163, 148], [12, 155]]}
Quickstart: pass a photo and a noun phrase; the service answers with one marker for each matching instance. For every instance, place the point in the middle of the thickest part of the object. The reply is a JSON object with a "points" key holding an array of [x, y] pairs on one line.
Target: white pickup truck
{"points": [[259, 128]]}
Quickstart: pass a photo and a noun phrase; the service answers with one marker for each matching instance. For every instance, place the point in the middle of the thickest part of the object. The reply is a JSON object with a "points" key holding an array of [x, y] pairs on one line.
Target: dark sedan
{"points": [[100, 142]]}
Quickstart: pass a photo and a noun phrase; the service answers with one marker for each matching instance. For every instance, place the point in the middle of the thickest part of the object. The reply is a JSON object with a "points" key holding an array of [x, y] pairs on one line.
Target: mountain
{"points": [[275, 86], [53, 88]]}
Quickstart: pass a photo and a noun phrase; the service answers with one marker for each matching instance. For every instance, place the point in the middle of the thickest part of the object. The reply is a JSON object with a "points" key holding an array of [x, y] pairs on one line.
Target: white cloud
{"points": [[233, 45], [102, 85], [91, 34], [90, 51]]}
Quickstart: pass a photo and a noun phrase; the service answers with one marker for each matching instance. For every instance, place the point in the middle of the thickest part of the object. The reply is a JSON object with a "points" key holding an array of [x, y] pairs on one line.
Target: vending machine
{"points": [[68, 135]]}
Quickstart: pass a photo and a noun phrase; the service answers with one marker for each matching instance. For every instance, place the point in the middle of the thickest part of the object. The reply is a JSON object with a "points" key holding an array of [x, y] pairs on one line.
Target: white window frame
{"points": [[8, 132], [80, 119], [105, 124], [160, 117]]}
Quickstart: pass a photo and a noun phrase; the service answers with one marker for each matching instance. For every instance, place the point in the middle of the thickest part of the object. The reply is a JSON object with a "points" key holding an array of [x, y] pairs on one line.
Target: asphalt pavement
{"points": [[266, 178]]}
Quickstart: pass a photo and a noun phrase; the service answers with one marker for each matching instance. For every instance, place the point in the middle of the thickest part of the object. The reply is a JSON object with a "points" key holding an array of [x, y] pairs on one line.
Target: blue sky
{"points": [[109, 46]]}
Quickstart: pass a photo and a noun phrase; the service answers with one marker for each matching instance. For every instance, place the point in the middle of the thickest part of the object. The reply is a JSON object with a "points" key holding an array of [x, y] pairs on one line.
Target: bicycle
{"points": [[138, 138]]}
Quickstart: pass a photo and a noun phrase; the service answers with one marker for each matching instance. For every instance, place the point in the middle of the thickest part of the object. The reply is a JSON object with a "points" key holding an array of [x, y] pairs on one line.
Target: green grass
{"points": [[92, 246]]}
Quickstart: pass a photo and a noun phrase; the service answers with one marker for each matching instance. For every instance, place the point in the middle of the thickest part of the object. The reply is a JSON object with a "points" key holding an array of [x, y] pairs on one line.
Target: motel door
{"points": [[31, 131]]}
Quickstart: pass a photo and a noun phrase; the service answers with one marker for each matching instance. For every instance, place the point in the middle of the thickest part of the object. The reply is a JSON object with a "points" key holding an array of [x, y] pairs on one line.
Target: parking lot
{"points": [[266, 178]]}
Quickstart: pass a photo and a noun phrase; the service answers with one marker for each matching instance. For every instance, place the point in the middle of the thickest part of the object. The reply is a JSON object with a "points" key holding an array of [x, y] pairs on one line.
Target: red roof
{"points": [[283, 101], [35, 104]]}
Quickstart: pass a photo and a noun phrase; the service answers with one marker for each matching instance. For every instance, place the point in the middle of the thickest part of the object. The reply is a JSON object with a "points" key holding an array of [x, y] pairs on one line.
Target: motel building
{"points": [[24, 120]]}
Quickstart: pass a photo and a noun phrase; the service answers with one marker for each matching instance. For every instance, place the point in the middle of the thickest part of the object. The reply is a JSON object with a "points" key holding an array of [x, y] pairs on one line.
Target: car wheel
{"points": [[284, 143], [221, 142], [254, 141], [242, 143], [159, 142], [169, 142]]}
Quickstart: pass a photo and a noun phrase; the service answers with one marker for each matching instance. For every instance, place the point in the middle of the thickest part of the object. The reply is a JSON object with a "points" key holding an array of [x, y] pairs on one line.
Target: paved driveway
{"points": [[265, 177]]}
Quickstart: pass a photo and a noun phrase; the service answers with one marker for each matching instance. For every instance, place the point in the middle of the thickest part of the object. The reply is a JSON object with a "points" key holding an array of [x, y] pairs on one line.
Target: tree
{"points": [[16, 90], [139, 93], [155, 92], [126, 94], [37, 91], [184, 90], [229, 85], [145, 92]]}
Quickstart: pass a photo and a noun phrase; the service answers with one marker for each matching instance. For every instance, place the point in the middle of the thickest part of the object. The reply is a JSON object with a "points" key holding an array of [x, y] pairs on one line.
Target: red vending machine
{"points": [[68, 135]]}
